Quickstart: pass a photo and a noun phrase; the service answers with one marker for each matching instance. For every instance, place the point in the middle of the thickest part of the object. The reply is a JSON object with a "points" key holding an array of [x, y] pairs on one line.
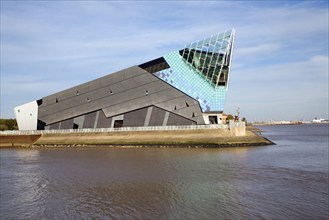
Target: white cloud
{"points": [[284, 45], [285, 91], [315, 68], [257, 50]]}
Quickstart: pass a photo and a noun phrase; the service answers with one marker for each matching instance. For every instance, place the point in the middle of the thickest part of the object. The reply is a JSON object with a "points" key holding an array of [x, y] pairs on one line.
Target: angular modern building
{"points": [[184, 87]]}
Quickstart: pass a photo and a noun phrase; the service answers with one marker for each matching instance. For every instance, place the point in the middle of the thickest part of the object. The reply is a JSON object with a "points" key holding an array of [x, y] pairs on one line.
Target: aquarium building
{"points": [[183, 87]]}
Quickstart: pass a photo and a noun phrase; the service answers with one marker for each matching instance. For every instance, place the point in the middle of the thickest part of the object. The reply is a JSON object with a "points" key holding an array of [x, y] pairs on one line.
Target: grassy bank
{"points": [[181, 138], [178, 138]]}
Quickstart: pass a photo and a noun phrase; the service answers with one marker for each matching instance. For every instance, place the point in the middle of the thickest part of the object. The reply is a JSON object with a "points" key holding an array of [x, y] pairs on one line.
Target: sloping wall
{"points": [[130, 93]]}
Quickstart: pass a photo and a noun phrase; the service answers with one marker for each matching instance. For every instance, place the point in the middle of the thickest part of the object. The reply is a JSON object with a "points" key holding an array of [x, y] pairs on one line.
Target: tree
{"points": [[3, 127], [12, 124], [8, 124], [228, 118]]}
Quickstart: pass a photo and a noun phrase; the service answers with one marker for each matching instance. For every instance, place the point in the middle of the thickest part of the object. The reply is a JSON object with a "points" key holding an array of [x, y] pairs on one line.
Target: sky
{"points": [[279, 64]]}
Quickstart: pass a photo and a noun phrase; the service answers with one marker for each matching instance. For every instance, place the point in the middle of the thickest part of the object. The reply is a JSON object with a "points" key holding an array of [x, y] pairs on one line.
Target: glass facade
{"points": [[201, 70]]}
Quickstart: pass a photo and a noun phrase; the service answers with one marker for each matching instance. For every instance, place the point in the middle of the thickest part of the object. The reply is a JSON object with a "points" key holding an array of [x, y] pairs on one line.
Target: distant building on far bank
{"points": [[184, 87], [224, 118], [318, 120]]}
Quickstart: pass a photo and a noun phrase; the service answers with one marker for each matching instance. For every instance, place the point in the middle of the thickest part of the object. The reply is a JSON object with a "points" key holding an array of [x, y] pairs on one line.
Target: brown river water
{"points": [[284, 181]]}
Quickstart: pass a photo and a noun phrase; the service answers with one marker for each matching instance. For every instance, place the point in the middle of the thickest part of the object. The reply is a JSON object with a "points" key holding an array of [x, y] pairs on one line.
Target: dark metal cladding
{"points": [[133, 96], [155, 65]]}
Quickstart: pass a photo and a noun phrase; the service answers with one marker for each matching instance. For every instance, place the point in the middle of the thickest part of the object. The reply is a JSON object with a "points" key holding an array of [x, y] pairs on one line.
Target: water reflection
{"points": [[21, 182], [105, 183]]}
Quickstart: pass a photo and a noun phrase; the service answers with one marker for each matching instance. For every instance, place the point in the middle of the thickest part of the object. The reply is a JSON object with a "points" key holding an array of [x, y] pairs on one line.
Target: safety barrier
{"points": [[95, 130]]}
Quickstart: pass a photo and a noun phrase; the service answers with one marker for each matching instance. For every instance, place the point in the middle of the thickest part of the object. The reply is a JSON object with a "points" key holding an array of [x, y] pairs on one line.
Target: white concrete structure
{"points": [[27, 116], [212, 118]]}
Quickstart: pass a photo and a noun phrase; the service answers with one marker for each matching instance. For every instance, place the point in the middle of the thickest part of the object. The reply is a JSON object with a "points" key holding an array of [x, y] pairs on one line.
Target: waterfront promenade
{"points": [[178, 136]]}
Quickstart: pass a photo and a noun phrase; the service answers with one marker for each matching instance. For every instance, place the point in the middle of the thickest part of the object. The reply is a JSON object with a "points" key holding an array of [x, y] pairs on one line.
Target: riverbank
{"points": [[173, 138], [18, 140]]}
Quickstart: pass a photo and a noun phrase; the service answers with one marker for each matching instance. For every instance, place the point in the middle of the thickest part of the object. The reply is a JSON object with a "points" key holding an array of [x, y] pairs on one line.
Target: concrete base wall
{"points": [[220, 137], [237, 128]]}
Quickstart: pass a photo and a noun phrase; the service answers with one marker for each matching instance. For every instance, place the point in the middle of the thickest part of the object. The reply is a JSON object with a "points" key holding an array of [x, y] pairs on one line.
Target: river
{"points": [[288, 180]]}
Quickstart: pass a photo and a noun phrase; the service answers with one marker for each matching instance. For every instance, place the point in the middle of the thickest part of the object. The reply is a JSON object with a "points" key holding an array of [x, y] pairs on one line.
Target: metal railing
{"points": [[95, 130], [235, 124]]}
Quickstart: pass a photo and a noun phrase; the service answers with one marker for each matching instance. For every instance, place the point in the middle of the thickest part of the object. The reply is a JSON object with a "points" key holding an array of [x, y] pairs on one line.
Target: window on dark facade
{"points": [[213, 119], [75, 126], [118, 123]]}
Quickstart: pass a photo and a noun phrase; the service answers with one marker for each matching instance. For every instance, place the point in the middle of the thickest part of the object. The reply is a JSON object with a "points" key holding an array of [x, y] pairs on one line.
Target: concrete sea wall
{"points": [[217, 137], [16, 140]]}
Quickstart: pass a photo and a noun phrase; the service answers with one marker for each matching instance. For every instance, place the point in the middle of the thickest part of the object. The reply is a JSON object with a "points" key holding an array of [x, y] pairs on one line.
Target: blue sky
{"points": [[279, 66]]}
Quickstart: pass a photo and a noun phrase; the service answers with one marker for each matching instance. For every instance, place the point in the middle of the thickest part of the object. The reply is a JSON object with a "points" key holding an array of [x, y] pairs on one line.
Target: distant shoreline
{"points": [[292, 123]]}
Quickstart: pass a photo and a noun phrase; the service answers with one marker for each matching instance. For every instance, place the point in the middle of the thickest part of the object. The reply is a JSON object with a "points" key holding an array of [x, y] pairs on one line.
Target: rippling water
{"points": [[284, 181]]}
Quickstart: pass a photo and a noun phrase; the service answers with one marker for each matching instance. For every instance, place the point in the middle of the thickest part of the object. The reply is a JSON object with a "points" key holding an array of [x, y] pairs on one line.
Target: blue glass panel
{"points": [[199, 70], [186, 79]]}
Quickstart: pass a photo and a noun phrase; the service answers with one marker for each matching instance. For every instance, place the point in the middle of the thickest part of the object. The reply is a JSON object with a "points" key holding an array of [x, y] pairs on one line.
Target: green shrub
{"points": [[8, 124]]}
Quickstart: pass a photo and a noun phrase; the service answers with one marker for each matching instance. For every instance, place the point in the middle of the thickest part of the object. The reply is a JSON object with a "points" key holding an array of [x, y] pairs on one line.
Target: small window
{"points": [[78, 93], [30, 114], [187, 105], [56, 100], [118, 123], [146, 92], [213, 120], [111, 92], [19, 110], [75, 126], [88, 99], [193, 115]]}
